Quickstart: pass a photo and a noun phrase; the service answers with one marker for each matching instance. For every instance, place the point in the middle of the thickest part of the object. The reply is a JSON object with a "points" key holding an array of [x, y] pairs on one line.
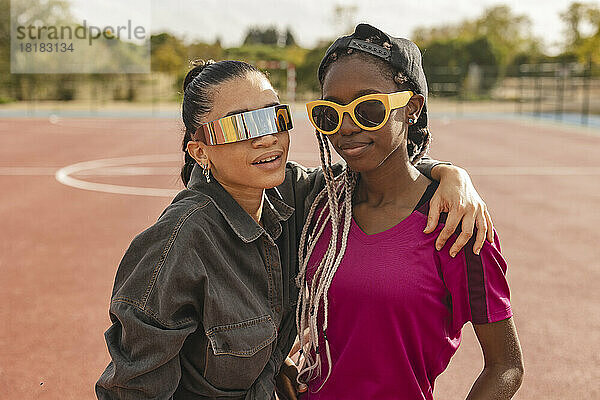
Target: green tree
{"points": [[507, 33], [205, 51], [168, 53], [51, 12], [446, 63], [480, 51], [289, 38], [5, 78], [586, 47], [306, 73], [258, 35]]}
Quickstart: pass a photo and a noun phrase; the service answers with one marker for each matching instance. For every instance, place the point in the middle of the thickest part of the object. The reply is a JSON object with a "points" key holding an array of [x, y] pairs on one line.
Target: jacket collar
{"points": [[275, 209]]}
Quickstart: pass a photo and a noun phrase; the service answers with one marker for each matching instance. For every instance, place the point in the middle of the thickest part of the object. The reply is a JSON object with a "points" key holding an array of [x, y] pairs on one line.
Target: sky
{"points": [[311, 20]]}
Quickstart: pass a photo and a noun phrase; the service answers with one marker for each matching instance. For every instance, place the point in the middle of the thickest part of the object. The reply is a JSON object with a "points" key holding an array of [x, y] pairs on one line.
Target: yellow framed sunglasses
{"points": [[369, 112]]}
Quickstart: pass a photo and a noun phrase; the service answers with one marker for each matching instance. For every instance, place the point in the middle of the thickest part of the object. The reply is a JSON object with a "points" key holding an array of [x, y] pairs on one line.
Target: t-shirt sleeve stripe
{"points": [[488, 291], [476, 284]]}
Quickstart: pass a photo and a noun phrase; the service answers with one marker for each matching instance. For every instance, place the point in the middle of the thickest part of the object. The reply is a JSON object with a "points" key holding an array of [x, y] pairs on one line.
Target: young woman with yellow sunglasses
{"points": [[380, 311]]}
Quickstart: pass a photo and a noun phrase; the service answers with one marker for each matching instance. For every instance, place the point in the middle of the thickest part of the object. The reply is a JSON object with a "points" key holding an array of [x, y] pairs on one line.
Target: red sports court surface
{"points": [[60, 245]]}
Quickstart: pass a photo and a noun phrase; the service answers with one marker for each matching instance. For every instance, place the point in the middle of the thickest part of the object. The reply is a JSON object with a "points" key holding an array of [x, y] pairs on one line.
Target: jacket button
{"points": [[278, 308]]}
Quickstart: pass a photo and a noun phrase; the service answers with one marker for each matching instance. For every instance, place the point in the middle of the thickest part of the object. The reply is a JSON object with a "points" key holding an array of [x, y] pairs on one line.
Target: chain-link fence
{"points": [[547, 90]]}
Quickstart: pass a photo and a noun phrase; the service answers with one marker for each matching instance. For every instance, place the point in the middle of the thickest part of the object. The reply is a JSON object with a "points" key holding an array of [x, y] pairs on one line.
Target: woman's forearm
{"points": [[496, 383]]}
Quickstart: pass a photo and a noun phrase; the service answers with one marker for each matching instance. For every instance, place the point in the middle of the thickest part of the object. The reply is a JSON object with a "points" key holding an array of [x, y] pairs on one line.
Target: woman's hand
{"points": [[286, 383], [457, 196]]}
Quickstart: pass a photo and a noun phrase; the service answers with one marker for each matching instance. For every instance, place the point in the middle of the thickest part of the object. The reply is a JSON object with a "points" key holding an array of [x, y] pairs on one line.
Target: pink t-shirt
{"points": [[397, 307]]}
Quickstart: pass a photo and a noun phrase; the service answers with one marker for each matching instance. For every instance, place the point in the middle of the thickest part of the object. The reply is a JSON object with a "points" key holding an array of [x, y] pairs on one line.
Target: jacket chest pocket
{"points": [[237, 353]]}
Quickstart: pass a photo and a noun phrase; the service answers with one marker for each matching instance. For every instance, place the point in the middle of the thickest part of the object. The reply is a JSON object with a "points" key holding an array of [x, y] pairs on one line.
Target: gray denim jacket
{"points": [[203, 304]]}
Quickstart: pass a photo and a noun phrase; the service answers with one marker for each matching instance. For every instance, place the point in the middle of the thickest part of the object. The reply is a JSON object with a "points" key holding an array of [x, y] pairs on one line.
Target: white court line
{"points": [[534, 171], [121, 167], [107, 171], [170, 171], [64, 175], [35, 171], [128, 171]]}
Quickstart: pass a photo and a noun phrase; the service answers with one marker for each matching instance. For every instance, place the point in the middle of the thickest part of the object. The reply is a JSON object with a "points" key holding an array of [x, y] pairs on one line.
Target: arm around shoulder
{"points": [[426, 166]]}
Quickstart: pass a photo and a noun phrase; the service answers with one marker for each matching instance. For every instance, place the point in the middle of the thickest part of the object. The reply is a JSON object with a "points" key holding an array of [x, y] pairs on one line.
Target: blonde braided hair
{"points": [[338, 191]]}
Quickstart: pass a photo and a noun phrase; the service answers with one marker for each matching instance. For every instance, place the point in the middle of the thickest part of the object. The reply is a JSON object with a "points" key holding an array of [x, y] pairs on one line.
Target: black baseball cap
{"points": [[400, 53]]}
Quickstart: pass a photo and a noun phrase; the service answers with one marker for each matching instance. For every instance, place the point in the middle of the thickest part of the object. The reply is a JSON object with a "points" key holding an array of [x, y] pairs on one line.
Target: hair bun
{"points": [[198, 66]]}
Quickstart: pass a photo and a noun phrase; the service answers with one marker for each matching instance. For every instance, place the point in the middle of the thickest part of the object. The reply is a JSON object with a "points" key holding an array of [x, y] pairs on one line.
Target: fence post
{"points": [[460, 91], [585, 107], [538, 91], [291, 82], [520, 97], [153, 93], [560, 90]]}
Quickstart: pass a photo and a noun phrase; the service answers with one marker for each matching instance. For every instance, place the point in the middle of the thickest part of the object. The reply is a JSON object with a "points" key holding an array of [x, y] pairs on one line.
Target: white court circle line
{"points": [[63, 175]]}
